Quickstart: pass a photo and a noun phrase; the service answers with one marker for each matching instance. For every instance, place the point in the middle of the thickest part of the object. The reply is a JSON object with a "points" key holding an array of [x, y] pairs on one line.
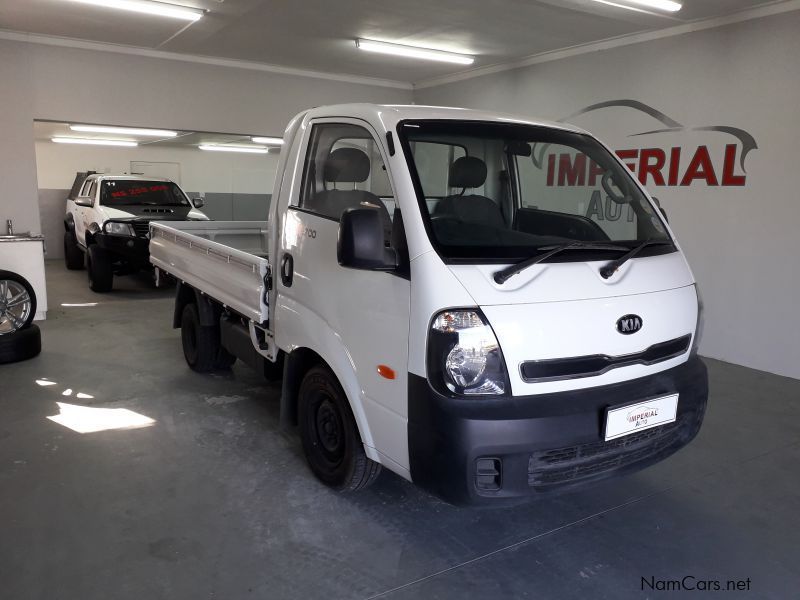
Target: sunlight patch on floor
{"points": [[87, 419]]}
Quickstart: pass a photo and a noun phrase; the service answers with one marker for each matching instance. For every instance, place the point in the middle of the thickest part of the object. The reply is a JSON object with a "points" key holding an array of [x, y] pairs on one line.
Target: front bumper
{"points": [[133, 250], [470, 450]]}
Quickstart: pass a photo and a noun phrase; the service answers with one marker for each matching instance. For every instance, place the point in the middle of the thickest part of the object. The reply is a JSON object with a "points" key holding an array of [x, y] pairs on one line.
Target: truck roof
{"points": [[400, 112]]}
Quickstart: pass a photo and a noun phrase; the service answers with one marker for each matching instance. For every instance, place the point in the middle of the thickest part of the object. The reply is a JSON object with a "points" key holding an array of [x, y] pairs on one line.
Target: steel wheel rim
{"points": [[15, 306], [329, 429]]}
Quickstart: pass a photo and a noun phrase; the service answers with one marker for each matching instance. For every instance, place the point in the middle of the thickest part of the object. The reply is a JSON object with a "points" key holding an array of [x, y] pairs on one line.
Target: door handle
{"points": [[287, 270]]}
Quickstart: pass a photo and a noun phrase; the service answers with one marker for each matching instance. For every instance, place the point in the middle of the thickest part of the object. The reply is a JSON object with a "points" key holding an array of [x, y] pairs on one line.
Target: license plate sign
{"points": [[638, 417]]}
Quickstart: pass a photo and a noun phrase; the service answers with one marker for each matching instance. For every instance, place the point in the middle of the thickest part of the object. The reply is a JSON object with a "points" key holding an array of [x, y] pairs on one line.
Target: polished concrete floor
{"points": [[213, 500]]}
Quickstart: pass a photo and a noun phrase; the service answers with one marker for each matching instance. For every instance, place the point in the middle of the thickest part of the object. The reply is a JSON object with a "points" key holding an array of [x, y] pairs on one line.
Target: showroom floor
{"points": [[213, 500]]}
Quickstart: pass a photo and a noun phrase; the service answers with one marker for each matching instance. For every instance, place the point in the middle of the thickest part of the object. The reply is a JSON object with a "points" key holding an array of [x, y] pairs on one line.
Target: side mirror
{"points": [[663, 212], [198, 202], [84, 201], [360, 244]]}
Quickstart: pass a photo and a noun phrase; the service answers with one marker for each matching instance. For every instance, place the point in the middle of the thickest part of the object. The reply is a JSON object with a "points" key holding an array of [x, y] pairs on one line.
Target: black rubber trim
{"points": [[596, 364]]}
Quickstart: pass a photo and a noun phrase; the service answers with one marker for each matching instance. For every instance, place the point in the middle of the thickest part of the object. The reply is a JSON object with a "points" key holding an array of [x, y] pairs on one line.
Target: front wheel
{"points": [[73, 256], [328, 430], [100, 268]]}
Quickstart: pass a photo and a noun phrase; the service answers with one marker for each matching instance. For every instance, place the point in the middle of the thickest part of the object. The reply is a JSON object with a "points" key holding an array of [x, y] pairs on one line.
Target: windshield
{"points": [[127, 192], [504, 191]]}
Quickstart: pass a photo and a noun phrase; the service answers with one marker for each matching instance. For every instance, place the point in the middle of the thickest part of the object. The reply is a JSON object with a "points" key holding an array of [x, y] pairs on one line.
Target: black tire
{"points": [[200, 344], [73, 256], [224, 359], [26, 319], [20, 345], [100, 268], [328, 430]]}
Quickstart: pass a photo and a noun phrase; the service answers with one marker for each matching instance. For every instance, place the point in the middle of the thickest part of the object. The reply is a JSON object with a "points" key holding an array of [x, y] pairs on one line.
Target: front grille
{"points": [[574, 463], [141, 228], [597, 364]]}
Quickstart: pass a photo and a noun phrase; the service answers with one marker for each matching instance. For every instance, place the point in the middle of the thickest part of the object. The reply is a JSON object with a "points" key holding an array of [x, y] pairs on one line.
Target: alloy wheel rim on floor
{"points": [[15, 306]]}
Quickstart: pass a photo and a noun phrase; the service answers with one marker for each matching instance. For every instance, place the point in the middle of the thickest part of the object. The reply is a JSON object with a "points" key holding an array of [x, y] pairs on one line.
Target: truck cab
{"points": [[106, 222], [489, 306]]}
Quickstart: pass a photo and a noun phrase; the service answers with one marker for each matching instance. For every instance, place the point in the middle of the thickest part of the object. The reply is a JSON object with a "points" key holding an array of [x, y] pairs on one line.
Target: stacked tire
{"points": [[20, 339]]}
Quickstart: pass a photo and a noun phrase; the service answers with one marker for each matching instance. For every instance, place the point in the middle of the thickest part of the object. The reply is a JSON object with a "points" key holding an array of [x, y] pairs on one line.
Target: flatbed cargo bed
{"points": [[194, 251]]}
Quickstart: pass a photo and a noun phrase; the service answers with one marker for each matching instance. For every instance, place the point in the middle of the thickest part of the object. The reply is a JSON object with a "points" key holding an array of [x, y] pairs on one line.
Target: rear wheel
{"points": [[224, 359], [330, 436], [73, 257], [100, 268], [200, 344]]}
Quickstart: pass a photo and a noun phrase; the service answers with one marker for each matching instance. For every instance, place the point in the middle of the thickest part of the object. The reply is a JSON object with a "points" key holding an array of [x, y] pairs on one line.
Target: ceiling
{"points": [[45, 130], [319, 34]]}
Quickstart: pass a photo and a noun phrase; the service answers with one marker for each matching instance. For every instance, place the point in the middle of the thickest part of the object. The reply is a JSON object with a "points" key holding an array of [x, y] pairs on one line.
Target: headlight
{"points": [[463, 355], [698, 330], [118, 228]]}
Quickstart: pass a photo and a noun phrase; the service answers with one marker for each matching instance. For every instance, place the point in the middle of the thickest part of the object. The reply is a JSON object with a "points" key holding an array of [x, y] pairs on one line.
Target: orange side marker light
{"points": [[386, 372]]}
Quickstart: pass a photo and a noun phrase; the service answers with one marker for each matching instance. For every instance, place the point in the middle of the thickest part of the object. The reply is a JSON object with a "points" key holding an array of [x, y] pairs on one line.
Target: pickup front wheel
{"points": [[330, 436], [100, 269], [73, 256]]}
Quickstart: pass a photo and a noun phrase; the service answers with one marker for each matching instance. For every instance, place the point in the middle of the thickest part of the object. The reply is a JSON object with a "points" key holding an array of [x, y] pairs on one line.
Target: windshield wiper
{"points": [[504, 275], [612, 267]]}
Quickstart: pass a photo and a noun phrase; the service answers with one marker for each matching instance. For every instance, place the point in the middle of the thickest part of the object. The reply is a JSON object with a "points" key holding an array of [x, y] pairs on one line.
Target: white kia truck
{"points": [[488, 306], [106, 222]]}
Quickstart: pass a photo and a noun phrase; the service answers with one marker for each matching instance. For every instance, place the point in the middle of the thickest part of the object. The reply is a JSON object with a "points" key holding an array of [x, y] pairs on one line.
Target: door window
{"points": [[344, 169], [85, 188]]}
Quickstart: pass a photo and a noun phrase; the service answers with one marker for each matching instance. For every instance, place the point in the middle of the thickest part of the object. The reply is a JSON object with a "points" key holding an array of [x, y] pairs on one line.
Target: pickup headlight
{"points": [[118, 228], [464, 357]]}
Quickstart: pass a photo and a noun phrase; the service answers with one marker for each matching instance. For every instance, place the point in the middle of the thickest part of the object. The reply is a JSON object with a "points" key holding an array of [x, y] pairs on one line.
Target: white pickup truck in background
{"points": [[106, 222], [441, 297]]}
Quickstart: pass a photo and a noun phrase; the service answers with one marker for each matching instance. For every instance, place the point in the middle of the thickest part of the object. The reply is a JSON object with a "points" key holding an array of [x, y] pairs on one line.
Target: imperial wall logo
{"points": [[677, 166]]}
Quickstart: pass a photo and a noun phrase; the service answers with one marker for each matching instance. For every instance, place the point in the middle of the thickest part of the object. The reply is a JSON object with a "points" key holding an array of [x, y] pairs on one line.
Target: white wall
{"points": [[201, 171], [742, 241], [40, 81], [18, 192]]}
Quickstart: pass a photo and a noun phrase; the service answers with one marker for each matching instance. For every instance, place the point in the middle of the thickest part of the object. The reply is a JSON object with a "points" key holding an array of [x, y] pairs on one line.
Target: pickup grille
{"points": [[141, 229], [575, 463], [597, 364]]}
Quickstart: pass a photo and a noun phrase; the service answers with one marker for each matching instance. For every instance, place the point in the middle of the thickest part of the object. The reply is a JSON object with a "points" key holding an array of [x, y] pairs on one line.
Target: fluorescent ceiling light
{"points": [[665, 5], [149, 7], [92, 142], [414, 52], [124, 130], [249, 149], [267, 140]]}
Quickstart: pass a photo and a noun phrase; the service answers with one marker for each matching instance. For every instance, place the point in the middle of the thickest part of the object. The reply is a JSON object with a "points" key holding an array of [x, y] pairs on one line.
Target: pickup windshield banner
{"points": [[716, 161]]}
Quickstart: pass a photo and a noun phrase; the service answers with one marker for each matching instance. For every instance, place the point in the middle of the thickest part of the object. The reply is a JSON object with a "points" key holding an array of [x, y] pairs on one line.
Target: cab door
{"points": [[356, 319], [83, 214]]}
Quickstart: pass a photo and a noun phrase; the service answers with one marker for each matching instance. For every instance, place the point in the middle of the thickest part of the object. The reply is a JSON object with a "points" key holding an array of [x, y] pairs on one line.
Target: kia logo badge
{"points": [[629, 324]]}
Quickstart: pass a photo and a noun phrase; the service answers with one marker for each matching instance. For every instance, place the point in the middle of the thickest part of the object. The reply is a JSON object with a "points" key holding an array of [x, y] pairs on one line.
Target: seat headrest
{"points": [[347, 165], [467, 172]]}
